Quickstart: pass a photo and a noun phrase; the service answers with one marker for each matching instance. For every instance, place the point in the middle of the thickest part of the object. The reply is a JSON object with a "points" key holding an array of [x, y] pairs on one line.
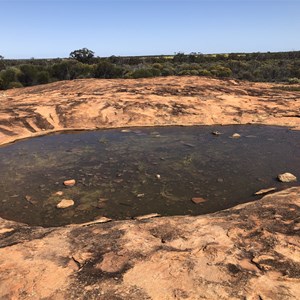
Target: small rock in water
{"points": [[157, 176], [216, 132], [198, 200], [70, 182], [265, 191], [140, 195], [145, 217], [125, 130], [65, 203], [59, 193], [287, 177], [30, 200], [236, 136]]}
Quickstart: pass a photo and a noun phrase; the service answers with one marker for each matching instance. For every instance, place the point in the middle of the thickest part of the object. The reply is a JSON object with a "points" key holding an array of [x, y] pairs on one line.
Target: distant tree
{"points": [[83, 55], [2, 64]]}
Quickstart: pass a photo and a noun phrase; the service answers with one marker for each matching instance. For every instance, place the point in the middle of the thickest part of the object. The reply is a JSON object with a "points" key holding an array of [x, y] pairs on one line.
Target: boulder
{"points": [[287, 177]]}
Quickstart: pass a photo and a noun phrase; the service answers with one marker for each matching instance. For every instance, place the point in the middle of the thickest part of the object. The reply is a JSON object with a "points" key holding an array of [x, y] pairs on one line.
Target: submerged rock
{"points": [[236, 136], [287, 177], [65, 203], [70, 182], [198, 200], [216, 132]]}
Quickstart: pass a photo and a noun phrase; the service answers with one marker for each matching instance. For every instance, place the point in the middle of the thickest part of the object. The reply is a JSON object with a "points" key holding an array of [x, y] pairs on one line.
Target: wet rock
{"points": [[216, 132], [140, 195], [265, 191], [70, 182], [145, 217], [65, 203], [59, 193], [287, 177], [236, 136], [158, 176], [198, 200], [30, 200]]}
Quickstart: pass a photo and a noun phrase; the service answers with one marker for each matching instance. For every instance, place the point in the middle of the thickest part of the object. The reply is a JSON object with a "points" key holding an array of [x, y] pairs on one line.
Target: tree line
{"points": [[82, 63]]}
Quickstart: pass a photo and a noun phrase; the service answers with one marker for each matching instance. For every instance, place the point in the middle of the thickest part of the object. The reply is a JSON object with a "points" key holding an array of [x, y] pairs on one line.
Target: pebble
{"points": [[65, 203], [198, 200], [70, 182]]}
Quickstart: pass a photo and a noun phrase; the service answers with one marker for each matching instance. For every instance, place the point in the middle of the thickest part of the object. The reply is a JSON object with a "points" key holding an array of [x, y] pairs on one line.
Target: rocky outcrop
{"points": [[98, 103], [251, 251], [248, 252]]}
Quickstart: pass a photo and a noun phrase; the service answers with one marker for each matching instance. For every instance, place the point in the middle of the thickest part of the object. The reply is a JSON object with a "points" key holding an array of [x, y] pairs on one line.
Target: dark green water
{"points": [[116, 172]]}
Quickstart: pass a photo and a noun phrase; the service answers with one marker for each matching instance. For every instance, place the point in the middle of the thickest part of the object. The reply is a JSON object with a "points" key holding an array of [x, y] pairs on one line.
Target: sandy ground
{"points": [[247, 252]]}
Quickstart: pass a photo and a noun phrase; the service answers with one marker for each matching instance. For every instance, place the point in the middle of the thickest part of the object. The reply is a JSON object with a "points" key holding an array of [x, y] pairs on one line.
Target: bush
{"points": [[221, 71], [106, 69], [204, 72], [7, 76], [14, 85], [28, 75], [43, 77], [293, 80], [145, 73]]}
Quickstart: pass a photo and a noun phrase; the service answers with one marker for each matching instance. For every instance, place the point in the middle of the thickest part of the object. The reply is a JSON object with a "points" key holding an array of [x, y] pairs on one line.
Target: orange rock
{"points": [[70, 182], [198, 200]]}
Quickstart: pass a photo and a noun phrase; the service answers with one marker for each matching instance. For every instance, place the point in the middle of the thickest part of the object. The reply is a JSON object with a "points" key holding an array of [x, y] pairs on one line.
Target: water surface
{"points": [[125, 174]]}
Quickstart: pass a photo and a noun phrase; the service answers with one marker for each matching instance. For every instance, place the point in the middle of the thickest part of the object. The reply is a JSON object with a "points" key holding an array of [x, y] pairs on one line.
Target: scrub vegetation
{"points": [[263, 67]]}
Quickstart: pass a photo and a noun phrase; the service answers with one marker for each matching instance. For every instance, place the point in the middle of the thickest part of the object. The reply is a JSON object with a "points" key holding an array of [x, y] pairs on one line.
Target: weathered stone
{"points": [[70, 182], [65, 203], [216, 132], [287, 177], [265, 191], [236, 136], [59, 193], [149, 216], [198, 200]]}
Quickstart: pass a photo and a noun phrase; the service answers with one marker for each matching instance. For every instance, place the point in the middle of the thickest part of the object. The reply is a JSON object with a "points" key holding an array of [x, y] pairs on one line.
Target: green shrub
{"points": [[14, 85], [43, 77], [106, 69], [142, 73], [28, 75], [9, 75], [294, 80]]}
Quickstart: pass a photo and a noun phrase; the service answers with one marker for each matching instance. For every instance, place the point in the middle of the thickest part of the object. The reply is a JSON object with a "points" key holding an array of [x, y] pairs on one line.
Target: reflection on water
{"points": [[125, 174]]}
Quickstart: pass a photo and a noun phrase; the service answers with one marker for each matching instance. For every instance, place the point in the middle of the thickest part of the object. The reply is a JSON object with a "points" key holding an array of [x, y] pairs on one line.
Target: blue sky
{"points": [[43, 28]]}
